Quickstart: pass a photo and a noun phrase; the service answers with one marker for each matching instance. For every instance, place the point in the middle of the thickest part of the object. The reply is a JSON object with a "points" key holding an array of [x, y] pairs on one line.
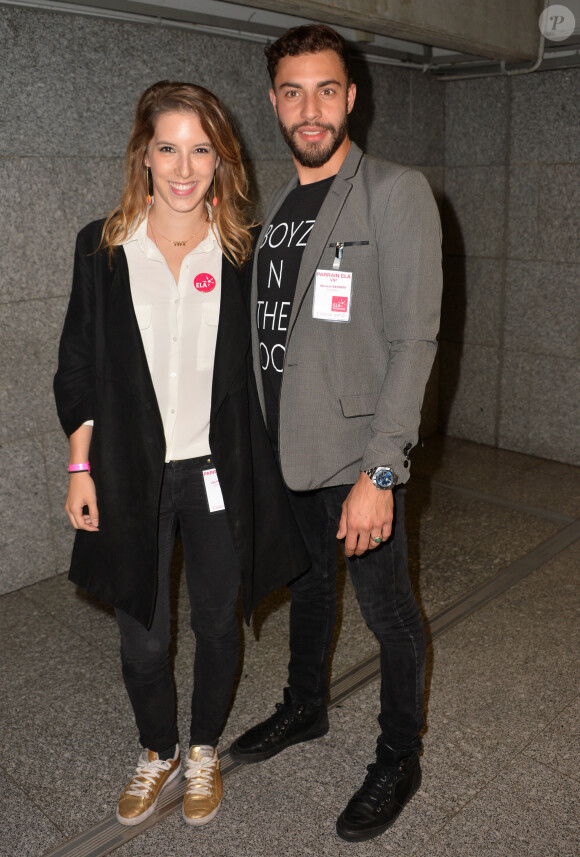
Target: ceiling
{"points": [[448, 38]]}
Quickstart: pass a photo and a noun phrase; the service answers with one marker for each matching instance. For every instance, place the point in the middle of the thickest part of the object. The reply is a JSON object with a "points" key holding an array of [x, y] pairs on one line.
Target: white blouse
{"points": [[178, 324]]}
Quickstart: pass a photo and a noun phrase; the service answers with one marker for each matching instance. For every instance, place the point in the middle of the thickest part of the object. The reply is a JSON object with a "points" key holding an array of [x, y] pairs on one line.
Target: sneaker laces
{"points": [[379, 782], [146, 775], [281, 719], [199, 774], [284, 715]]}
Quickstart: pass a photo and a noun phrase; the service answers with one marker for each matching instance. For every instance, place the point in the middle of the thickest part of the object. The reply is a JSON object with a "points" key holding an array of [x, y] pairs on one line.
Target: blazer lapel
{"points": [[233, 337], [327, 217], [126, 343]]}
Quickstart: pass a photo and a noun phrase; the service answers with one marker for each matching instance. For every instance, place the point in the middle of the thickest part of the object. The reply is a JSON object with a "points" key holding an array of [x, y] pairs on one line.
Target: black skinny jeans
{"points": [[213, 579], [381, 581]]}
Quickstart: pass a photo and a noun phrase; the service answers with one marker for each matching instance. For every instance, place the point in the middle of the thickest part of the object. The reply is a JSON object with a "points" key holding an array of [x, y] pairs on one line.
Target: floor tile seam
{"points": [[557, 716], [497, 500], [504, 580], [72, 628], [508, 762], [282, 779], [20, 788], [552, 769], [14, 593], [432, 835], [479, 791], [568, 704]]}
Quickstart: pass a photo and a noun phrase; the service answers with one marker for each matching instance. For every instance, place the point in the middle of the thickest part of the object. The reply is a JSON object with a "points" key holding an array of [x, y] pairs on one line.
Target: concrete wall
{"points": [[68, 88], [511, 315], [501, 155]]}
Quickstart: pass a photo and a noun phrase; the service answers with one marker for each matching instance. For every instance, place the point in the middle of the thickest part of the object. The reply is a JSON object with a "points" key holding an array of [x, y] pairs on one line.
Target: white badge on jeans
{"points": [[215, 498], [332, 295]]}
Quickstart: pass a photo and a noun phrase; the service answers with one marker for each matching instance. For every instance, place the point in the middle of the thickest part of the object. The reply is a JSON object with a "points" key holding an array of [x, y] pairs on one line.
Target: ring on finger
{"points": [[377, 539]]}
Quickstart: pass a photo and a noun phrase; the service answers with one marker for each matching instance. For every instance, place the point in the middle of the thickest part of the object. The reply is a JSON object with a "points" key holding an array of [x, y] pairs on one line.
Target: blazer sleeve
{"points": [[74, 379], [409, 246]]}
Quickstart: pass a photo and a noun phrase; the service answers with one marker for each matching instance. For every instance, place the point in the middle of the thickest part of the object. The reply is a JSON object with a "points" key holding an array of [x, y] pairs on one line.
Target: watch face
{"points": [[384, 478]]}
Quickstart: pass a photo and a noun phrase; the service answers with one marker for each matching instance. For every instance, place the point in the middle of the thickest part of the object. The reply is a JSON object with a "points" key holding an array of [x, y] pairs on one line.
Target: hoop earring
{"points": [[147, 175], [215, 199]]}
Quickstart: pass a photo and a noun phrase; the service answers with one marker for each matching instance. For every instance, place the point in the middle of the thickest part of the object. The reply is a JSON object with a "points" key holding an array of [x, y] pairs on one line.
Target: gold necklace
{"points": [[171, 241]]}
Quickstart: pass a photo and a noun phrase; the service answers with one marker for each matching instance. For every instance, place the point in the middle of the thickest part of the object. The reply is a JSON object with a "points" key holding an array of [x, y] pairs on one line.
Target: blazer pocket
{"points": [[354, 249], [359, 406], [353, 256]]}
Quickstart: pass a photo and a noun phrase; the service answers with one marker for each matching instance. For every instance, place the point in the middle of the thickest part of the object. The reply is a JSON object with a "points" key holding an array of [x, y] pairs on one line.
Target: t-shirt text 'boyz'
{"points": [[279, 258]]}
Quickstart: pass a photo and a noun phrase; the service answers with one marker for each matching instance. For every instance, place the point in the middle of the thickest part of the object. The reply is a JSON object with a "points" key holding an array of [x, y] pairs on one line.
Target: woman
{"points": [[154, 389]]}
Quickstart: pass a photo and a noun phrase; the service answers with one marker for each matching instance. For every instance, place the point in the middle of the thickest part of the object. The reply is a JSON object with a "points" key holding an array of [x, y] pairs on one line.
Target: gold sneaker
{"points": [[203, 792], [139, 797]]}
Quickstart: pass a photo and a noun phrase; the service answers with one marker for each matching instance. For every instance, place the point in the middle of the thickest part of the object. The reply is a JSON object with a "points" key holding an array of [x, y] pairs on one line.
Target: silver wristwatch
{"points": [[382, 478]]}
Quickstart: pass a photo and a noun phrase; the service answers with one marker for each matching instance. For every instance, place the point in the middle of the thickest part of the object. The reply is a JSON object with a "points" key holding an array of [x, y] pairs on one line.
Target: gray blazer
{"points": [[352, 392]]}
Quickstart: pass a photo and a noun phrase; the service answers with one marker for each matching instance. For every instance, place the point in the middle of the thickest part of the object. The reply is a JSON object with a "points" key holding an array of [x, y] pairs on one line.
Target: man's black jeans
{"points": [[383, 589], [213, 579]]}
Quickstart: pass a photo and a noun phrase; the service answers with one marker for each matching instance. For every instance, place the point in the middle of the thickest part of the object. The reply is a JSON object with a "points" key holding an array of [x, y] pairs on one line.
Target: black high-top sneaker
{"points": [[290, 724], [380, 799]]}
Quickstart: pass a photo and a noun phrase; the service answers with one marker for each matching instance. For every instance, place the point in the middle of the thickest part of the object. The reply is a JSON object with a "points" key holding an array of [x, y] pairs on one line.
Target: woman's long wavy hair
{"points": [[231, 184]]}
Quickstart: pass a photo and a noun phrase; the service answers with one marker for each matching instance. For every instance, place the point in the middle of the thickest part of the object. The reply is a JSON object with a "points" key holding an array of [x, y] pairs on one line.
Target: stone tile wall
{"points": [[511, 312], [68, 88]]}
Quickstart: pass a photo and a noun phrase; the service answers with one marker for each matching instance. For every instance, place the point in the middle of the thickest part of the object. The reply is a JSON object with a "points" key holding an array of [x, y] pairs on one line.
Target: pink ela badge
{"points": [[204, 283], [339, 303]]}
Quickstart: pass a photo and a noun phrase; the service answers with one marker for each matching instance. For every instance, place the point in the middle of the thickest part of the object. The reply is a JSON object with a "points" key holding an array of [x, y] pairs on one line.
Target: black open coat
{"points": [[103, 375]]}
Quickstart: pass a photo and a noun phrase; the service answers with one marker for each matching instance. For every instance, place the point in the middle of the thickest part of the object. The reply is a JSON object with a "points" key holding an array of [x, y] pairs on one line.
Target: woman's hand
{"points": [[81, 492]]}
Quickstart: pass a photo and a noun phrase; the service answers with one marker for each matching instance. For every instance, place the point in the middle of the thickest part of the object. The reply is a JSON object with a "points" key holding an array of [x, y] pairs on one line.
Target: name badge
{"points": [[213, 490], [332, 295]]}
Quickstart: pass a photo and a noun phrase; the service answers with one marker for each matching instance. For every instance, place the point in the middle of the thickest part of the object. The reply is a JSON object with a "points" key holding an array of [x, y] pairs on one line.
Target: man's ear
{"points": [[272, 95], [350, 97]]}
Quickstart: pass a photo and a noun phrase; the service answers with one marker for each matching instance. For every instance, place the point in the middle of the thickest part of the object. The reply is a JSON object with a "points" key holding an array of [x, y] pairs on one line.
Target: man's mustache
{"points": [[312, 126]]}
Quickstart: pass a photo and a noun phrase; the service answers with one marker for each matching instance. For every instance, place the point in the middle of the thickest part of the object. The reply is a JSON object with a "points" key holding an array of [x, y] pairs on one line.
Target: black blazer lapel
{"points": [[125, 344], [233, 337]]}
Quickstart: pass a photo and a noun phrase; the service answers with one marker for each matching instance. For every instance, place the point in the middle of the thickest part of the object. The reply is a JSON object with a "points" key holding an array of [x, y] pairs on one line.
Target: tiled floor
{"points": [[501, 763]]}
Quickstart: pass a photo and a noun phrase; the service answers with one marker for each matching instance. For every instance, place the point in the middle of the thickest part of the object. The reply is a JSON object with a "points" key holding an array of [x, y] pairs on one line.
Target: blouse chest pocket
{"points": [[210, 316], [143, 314]]}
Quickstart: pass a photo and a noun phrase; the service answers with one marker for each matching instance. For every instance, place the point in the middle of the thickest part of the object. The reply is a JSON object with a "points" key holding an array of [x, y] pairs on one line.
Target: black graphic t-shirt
{"points": [[279, 259]]}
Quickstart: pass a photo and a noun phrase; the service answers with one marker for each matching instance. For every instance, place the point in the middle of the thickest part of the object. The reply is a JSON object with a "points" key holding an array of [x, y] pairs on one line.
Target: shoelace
{"points": [[199, 774], [378, 784], [278, 722], [146, 776]]}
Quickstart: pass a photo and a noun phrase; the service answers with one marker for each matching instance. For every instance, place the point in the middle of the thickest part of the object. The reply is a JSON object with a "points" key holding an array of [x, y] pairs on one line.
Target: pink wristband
{"points": [[76, 468]]}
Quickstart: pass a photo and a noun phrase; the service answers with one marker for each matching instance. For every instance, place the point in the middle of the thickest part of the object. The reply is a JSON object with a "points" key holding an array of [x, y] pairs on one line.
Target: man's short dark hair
{"points": [[307, 39]]}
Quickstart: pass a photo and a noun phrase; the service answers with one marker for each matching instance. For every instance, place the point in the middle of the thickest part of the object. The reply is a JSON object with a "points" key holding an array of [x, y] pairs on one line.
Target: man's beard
{"points": [[314, 154]]}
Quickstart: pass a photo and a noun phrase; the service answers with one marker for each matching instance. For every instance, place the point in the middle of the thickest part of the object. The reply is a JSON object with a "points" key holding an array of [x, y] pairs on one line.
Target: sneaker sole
{"points": [[131, 822], [198, 822], [363, 835], [245, 758]]}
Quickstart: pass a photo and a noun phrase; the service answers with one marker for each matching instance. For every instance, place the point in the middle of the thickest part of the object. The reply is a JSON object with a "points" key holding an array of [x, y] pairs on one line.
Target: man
{"points": [[346, 295]]}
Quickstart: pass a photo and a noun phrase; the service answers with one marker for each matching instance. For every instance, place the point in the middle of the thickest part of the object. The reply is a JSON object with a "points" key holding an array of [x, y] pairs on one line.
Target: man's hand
{"points": [[81, 492], [367, 513]]}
